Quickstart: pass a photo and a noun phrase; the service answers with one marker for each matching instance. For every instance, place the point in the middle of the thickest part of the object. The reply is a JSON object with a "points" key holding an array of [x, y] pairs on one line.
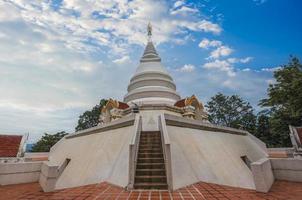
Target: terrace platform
{"points": [[280, 190]]}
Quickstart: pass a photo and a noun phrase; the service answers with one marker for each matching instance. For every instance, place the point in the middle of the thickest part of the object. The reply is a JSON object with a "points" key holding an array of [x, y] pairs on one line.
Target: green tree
{"points": [[90, 118], [47, 141], [231, 111], [285, 101], [263, 131]]}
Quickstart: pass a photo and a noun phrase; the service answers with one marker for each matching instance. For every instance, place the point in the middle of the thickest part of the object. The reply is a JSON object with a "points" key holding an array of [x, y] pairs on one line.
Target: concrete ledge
{"points": [[15, 173], [26, 177], [173, 120], [47, 184], [48, 177], [280, 152], [123, 122], [289, 169], [49, 170], [133, 150], [166, 146], [35, 156], [262, 174]]}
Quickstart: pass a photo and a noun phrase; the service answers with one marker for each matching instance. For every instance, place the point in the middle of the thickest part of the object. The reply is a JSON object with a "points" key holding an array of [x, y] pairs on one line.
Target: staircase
{"points": [[150, 169]]}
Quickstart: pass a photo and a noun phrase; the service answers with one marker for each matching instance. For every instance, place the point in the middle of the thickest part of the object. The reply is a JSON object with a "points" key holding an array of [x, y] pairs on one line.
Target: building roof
{"points": [[122, 105], [180, 103], [9, 145], [111, 103], [189, 101], [280, 190]]}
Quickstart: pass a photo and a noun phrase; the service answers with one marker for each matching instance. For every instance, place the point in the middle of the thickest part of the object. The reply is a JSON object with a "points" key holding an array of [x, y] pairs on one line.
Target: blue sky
{"points": [[59, 57]]}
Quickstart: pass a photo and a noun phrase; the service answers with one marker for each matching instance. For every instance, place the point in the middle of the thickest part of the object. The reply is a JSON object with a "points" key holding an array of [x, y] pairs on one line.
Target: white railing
{"points": [[133, 150], [165, 141]]}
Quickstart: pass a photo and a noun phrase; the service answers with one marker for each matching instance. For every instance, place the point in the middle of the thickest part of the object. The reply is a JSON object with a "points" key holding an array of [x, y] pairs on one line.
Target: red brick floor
{"points": [[280, 190]]}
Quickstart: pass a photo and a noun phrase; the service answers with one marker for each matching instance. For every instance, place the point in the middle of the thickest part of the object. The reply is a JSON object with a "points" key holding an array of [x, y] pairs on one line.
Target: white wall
{"points": [[94, 158], [22, 172], [263, 175], [150, 118], [213, 157], [289, 169]]}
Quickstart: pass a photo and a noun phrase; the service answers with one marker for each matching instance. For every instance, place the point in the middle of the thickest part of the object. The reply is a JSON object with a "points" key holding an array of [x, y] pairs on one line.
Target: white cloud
{"points": [[2, 35], [205, 43], [246, 60], [227, 65], [187, 68], [208, 26], [221, 51], [122, 60], [240, 60], [184, 10], [272, 69], [246, 70], [221, 65], [178, 4], [107, 23]]}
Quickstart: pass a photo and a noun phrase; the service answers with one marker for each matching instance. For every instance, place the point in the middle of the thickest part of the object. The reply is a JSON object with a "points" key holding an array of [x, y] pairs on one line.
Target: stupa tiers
{"points": [[151, 83], [153, 140]]}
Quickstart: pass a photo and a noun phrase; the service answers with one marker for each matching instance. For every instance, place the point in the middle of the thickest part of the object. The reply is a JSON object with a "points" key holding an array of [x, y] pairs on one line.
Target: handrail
{"points": [[133, 150], [165, 141]]}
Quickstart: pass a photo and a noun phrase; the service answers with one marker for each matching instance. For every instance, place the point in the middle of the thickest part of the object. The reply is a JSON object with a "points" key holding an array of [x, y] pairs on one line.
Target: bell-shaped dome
{"points": [[151, 83]]}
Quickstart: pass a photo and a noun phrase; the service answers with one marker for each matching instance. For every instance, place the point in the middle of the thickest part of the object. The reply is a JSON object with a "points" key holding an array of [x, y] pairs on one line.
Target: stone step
{"points": [[151, 172], [150, 155], [158, 186], [150, 160], [150, 179], [150, 140], [142, 138], [150, 132], [150, 166], [151, 135], [157, 150], [149, 146]]}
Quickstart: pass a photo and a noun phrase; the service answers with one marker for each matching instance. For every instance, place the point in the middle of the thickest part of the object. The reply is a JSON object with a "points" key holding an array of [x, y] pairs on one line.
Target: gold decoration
{"points": [[193, 101], [110, 105]]}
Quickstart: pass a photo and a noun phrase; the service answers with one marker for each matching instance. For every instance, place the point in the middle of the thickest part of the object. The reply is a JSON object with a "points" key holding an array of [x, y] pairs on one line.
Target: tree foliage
{"points": [[285, 101], [263, 128], [231, 111], [47, 141], [90, 118]]}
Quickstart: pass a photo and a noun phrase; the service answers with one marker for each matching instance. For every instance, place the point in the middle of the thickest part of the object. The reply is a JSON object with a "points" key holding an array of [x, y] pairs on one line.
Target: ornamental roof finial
{"points": [[149, 30]]}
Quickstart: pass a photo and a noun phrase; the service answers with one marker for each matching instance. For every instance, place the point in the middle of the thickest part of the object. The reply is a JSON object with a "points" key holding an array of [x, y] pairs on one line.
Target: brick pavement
{"points": [[104, 191]]}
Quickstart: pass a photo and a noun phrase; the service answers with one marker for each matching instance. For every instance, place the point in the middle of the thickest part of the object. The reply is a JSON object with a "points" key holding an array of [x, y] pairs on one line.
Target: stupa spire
{"points": [[150, 54], [149, 31], [151, 82]]}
